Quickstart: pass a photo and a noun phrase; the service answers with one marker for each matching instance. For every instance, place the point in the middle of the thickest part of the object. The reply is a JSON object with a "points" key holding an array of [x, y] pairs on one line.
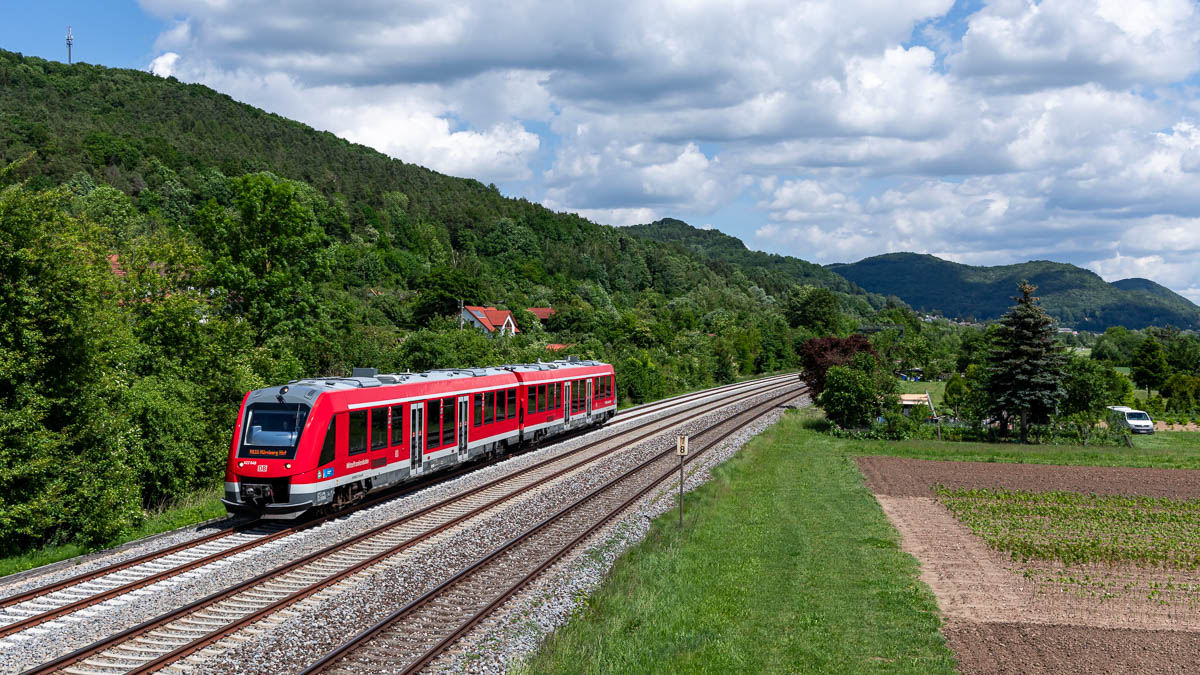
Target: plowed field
{"points": [[1010, 610]]}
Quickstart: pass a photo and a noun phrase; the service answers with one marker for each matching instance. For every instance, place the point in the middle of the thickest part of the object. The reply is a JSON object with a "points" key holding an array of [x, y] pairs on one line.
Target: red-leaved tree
{"points": [[818, 355]]}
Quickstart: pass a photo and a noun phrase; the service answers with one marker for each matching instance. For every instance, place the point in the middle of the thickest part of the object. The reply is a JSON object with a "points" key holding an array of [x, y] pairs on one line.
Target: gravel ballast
{"points": [[296, 638], [516, 629], [417, 569]]}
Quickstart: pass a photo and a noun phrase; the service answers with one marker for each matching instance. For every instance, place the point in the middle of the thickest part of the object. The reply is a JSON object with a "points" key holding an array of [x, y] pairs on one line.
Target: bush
{"points": [[849, 398]]}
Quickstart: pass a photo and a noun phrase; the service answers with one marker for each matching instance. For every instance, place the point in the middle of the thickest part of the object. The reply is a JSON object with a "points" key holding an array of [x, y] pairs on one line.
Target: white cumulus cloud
{"points": [[830, 129]]}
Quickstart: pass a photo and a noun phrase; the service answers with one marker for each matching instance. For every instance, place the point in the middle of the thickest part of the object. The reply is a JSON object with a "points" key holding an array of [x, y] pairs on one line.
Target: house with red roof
{"points": [[542, 313], [493, 321]]}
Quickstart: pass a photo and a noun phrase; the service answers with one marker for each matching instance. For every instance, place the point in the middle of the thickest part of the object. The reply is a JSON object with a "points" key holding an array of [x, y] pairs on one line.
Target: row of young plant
{"points": [[1016, 378], [1073, 528]]}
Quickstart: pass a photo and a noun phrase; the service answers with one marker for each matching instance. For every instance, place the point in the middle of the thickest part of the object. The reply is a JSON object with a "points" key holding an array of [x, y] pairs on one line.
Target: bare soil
{"points": [[1008, 617], [900, 477], [1163, 426], [1025, 648]]}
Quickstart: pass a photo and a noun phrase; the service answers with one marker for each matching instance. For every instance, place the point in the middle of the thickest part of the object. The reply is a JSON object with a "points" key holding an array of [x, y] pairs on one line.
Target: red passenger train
{"points": [[326, 442]]}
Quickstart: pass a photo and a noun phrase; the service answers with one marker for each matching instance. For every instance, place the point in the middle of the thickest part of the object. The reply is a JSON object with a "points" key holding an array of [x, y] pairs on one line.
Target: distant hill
{"points": [[1075, 296], [1139, 284], [771, 272]]}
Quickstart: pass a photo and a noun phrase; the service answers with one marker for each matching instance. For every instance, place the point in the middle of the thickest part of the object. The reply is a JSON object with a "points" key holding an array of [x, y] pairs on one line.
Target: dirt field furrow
{"points": [[900, 477], [1004, 616]]}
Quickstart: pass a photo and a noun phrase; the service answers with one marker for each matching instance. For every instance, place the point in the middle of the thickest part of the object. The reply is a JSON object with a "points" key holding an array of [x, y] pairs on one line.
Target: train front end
{"points": [[271, 447]]}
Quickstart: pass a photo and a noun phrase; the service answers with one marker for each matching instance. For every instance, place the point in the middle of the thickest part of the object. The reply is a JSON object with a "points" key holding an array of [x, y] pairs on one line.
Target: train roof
{"points": [[557, 370], [443, 380], [366, 378]]}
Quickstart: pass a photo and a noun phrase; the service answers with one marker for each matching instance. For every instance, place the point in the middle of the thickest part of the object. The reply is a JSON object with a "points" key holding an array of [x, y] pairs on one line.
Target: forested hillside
{"points": [[771, 271], [1073, 295], [164, 249]]}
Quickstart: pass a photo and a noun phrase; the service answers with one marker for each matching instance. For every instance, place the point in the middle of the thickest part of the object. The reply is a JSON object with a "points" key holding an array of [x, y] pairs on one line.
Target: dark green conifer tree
{"points": [[1149, 367], [1025, 370]]}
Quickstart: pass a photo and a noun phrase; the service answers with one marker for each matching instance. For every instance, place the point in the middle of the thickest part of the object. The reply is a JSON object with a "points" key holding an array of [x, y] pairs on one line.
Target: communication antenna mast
{"points": [[70, 40]]}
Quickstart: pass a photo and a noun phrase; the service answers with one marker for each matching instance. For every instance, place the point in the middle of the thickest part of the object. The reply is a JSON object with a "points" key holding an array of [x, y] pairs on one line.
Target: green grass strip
{"points": [[785, 564], [196, 508]]}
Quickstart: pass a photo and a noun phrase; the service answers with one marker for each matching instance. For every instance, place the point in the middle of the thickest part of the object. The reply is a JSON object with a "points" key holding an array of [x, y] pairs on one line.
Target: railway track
{"points": [[175, 635], [25, 610], [415, 635]]}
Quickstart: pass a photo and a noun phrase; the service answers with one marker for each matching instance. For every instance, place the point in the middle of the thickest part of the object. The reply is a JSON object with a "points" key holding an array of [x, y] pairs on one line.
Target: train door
{"points": [[590, 391], [463, 403], [379, 425], [416, 438], [567, 404]]}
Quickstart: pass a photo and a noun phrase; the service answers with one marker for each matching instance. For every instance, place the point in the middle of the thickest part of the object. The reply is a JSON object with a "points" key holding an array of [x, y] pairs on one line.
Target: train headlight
{"points": [[287, 465], [241, 464]]}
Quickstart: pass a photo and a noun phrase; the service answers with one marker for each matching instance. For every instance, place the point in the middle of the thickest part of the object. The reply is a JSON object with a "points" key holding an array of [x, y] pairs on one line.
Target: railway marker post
{"points": [[681, 449]]}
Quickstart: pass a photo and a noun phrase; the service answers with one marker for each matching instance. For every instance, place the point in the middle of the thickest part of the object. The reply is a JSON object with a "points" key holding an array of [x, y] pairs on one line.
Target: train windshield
{"points": [[272, 430]]}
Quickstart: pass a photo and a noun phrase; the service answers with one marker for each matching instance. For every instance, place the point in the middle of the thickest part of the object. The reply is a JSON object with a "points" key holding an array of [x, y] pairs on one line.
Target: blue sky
{"points": [[983, 132], [114, 34]]}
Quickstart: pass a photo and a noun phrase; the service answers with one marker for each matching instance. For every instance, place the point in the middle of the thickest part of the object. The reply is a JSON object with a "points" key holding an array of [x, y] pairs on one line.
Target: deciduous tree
{"points": [[818, 355]]}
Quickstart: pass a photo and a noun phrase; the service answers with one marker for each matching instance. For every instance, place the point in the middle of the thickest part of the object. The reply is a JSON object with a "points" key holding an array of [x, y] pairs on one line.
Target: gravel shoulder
{"points": [[291, 639], [424, 565], [516, 629]]}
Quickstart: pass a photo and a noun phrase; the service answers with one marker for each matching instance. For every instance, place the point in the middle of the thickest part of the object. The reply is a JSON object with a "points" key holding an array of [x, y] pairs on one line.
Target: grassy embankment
{"points": [[197, 508], [787, 564]]}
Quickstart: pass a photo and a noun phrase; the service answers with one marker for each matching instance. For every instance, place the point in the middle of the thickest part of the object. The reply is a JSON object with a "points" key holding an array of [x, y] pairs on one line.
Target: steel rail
{"points": [[153, 578], [34, 593], [361, 640], [141, 629], [116, 591]]}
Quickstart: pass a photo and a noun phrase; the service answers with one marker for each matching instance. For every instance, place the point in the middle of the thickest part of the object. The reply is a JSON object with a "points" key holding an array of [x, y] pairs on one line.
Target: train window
{"points": [[448, 420], [478, 409], [433, 424], [542, 400], [489, 407], [327, 450], [272, 430], [557, 395], [358, 432], [529, 406], [398, 425], [499, 406], [511, 396], [379, 428]]}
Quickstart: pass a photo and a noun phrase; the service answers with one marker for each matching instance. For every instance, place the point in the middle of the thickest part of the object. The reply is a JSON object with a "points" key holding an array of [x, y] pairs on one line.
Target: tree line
{"points": [[1014, 376]]}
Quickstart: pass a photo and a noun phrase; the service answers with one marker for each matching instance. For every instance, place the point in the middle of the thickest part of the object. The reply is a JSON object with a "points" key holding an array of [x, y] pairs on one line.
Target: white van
{"points": [[1137, 421]]}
